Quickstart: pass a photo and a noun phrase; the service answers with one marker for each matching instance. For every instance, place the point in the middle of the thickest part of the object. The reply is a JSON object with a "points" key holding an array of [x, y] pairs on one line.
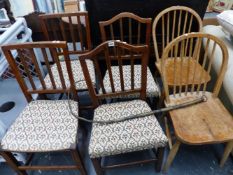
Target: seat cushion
{"points": [[77, 73], [43, 125], [128, 136], [152, 89]]}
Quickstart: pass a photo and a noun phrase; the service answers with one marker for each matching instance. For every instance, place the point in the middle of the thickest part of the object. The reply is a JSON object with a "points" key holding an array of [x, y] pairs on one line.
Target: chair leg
{"points": [[13, 163], [171, 155], [159, 162], [97, 165], [226, 153], [77, 159]]}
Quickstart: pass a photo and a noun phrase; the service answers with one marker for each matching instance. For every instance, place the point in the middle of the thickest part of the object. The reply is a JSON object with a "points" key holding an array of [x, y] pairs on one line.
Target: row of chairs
{"points": [[115, 69]]}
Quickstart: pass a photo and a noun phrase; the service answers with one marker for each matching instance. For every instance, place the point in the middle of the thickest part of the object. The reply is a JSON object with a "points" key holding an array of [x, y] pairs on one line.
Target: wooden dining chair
{"points": [[127, 136], [134, 30], [171, 23], [44, 125], [208, 122], [73, 28]]}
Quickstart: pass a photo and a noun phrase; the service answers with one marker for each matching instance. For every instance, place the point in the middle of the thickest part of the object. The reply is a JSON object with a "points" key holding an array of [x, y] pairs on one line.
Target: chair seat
{"points": [[77, 73], [152, 89], [42, 126], [188, 68], [203, 123], [128, 136]]}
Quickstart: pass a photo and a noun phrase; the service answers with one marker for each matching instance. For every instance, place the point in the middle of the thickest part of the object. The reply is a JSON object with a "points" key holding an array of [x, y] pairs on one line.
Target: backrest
{"points": [[171, 23], [71, 27], [112, 82], [28, 57], [127, 27], [192, 65]]}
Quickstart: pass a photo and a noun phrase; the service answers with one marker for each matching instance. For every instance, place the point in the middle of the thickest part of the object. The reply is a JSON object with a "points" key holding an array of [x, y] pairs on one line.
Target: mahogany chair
{"points": [[44, 125], [73, 28], [207, 122], [127, 136], [171, 23], [134, 30]]}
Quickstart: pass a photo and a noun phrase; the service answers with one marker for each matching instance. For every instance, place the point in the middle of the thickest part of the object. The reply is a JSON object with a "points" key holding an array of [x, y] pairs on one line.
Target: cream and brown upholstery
{"points": [[135, 30], [43, 125], [80, 83], [131, 135], [128, 136]]}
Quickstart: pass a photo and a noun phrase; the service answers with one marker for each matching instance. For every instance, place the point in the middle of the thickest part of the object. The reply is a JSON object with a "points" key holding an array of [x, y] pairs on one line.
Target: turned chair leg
{"points": [[226, 153], [76, 157], [159, 162], [13, 163], [97, 165], [171, 155]]}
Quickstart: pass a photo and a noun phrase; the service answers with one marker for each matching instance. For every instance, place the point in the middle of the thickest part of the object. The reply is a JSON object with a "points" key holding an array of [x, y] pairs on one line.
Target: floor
{"points": [[190, 160]]}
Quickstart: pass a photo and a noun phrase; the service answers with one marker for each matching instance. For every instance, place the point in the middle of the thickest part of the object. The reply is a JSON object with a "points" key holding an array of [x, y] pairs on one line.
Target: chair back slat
{"points": [[118, 77], [26, 66], [171, 23], [127, 27], [71, 27], [29, 58], [192, 70]]}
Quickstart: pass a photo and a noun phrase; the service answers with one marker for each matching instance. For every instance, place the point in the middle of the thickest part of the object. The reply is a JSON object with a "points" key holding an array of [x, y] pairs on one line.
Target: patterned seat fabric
{"points": [[152, 89], [128, 136], [43, 125], [77, 73]]}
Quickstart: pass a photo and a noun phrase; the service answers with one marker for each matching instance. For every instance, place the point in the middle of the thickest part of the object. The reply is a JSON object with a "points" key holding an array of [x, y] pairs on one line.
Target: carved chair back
{"points": [[112, 82]]}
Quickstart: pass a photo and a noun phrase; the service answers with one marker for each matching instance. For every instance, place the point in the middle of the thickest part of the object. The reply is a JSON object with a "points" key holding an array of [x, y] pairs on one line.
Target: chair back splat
{"points": [[122, 27], [71, 27], [30, 56], [171, 23], [191, 65], [124, 82]]}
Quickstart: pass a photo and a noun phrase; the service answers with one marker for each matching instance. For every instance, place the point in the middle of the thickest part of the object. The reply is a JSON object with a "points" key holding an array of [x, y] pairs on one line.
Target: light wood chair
{"points": [[134, 30], [73, 28], [43, 125], [171, 23], [207, 122], [127, 136]]}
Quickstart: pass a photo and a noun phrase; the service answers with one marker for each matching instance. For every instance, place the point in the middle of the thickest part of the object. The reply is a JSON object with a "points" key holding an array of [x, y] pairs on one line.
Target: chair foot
{"points": [[171, 155], [76, 157], [12, 162], [97, 165], [160, 155], [227, 151]]}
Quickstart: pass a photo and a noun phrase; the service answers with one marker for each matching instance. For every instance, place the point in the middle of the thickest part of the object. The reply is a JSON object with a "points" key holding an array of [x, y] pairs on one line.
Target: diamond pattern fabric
{"points": [[77, 74], [128, 136], [152, 89], [43, 125]]}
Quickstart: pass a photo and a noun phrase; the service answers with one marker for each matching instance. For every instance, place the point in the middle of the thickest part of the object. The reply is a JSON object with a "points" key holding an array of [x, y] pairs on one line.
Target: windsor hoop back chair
{"points": [[171, 23], [205, 123]]}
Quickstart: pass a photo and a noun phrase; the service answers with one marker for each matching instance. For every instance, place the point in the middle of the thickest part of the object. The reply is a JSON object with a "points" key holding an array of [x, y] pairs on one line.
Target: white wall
{"points": [[21, 7]]}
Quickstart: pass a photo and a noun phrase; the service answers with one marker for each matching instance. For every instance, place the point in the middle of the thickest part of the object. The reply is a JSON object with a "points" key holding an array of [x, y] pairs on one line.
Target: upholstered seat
{"points": [[152, 89], [77, 73], [43, 125], [128, 136]]}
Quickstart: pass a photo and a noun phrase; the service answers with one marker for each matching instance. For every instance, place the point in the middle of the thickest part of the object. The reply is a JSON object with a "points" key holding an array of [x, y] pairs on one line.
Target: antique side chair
{"points": [[171, 23], [73, 28], [139, 134], [134, 30], [44, 125], [208, 122]]}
